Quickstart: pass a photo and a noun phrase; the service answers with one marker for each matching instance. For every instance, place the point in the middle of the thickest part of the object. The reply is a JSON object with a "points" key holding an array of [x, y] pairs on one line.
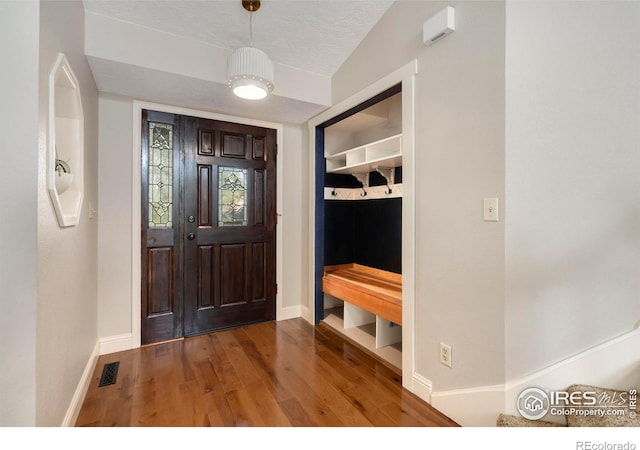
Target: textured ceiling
{"points": [[312, 35]]}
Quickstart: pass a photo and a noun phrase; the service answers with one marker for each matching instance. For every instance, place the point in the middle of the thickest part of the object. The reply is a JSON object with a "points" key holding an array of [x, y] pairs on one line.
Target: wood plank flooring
{"points": [[275, 374]]}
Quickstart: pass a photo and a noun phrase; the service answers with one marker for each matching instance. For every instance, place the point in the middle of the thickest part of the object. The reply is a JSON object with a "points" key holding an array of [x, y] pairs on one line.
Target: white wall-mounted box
{"points": [[439, 25]]}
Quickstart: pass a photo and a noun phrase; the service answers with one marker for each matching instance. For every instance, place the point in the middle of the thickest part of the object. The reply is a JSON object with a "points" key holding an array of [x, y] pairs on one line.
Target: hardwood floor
{"points": [[273, 374]]}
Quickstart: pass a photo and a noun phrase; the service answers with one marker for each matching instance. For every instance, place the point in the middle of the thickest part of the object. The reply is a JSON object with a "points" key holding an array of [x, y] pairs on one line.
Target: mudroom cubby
{"points": [[362, 254]]}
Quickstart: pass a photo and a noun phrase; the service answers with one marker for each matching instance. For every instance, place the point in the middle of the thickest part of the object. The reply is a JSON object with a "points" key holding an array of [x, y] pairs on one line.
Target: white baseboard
{"points": [[474, 407], [306, 314], [81, 390], [117, 343], [422, 387], [289, 312], [611, 364]]}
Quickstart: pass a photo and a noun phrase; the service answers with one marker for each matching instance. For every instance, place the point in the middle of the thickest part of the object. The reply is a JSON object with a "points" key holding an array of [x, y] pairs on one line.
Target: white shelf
{"points": [[365, 335], [386, 153], [373, 332]]}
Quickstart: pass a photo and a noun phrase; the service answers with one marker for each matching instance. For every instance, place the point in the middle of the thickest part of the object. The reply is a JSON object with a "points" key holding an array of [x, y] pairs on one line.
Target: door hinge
{"points": [[276, 288], [276, 149]]}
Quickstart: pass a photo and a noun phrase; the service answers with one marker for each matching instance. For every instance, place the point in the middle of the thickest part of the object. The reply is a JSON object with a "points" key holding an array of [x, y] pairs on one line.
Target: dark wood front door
{"points": [[217, 269], [230, 227]]}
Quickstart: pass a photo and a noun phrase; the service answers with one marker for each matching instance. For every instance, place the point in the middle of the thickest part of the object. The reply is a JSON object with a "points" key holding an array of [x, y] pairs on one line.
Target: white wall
{"points": [[306, 153], [294, 209], [67, 258], [572, 178], [18, 203], [460, 160], [115, 239], [114, 216], [459, 157], [536, 103]]}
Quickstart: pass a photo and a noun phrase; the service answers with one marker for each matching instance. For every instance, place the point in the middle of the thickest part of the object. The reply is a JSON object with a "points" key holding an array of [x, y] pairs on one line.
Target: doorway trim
{"points": [[136, 199], [405, 75]]}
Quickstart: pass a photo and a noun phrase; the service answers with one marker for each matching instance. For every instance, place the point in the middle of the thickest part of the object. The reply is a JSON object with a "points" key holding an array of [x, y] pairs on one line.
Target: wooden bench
{"points": [[374, 290]]}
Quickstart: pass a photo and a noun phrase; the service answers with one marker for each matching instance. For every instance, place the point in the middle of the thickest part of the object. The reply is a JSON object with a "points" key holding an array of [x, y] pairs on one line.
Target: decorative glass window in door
{"points": [[160, 175], [232, 196]]}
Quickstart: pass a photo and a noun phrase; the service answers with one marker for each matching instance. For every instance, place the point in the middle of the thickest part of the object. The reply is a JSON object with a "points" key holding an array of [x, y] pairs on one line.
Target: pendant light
{"points": [[249, 70]]}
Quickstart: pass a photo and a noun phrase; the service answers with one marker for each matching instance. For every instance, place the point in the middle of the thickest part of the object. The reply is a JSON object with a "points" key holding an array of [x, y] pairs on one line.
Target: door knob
{"points": [[191, 236]]}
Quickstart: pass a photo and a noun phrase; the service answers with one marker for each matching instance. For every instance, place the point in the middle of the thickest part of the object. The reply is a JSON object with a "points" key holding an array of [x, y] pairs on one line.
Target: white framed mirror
{"points": [[65, 165]]}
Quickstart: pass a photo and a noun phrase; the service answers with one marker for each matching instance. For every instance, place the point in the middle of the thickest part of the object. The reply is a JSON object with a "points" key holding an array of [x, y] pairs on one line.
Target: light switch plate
{"points": [[490, 210]]}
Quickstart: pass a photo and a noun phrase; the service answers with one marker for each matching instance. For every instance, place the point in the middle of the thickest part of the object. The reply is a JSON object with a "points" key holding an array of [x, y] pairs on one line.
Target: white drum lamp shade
{"points": [[250, 73]]}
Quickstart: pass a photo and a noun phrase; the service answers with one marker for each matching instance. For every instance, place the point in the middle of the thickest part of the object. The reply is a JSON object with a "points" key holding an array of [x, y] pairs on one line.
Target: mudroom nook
{"points": [[362, 221]]}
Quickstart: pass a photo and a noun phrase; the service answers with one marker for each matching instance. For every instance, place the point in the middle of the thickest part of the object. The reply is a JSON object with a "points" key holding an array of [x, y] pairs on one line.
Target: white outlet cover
{"points": [[445, 354]]}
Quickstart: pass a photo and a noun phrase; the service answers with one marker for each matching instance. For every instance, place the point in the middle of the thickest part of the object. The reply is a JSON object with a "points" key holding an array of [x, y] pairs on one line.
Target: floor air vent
{"points": [[109, 374]]}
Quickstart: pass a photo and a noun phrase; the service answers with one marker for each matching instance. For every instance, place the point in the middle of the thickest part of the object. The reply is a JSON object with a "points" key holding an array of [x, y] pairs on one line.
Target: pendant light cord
{"points": [[251, 29]]}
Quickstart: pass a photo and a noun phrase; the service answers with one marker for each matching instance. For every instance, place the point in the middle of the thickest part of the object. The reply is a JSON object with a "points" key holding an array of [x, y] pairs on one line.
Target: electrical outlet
{"points": [[445, 354]]}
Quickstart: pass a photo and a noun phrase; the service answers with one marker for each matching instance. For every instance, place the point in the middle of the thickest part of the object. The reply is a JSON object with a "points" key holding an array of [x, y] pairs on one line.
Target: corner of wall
{"points": [[81, 389], [67, 257], [613, 364]]}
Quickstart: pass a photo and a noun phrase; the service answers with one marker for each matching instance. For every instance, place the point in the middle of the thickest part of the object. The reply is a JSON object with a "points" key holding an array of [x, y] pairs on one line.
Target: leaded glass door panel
{"points": [[161, 290]]}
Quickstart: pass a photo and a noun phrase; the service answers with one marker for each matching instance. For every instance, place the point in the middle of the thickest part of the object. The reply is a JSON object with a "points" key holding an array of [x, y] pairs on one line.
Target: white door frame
{"points": [[405, 75], [136, 213]]}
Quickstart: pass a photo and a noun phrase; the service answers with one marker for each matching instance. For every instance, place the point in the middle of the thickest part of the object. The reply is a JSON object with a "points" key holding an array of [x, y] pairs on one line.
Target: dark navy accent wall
{"points": [[377, 232], [338, 232], [367, 232], [319, 224]]}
